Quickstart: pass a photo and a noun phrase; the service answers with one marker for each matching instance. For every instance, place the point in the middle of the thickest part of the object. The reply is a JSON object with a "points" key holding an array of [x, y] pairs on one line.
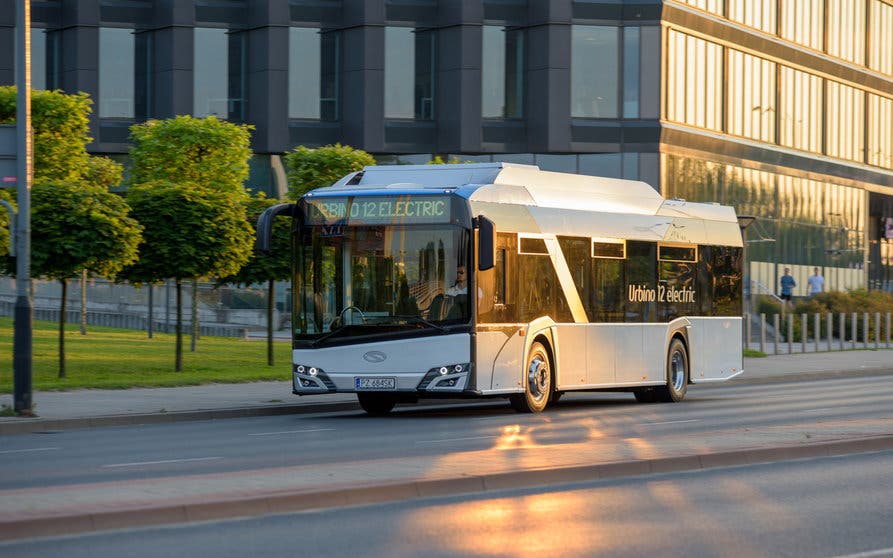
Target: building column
{"points": [[268, 52], [548, 104], [173, 43]]}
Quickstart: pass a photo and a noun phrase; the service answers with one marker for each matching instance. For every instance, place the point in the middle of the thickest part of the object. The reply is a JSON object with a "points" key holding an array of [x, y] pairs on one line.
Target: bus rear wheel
{"points": [[376, 404], [677, 373], [538, 382]]}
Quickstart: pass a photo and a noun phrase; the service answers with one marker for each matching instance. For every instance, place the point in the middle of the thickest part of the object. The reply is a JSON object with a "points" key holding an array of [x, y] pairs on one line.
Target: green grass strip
{"points": [[110, 358]]}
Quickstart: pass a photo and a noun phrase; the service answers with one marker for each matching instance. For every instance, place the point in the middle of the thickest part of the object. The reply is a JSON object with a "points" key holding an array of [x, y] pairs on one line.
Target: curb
{"points": [[30, 425], [302, 500]]}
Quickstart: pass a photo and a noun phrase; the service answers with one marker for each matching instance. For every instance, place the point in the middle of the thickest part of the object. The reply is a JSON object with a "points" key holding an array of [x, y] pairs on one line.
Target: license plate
{"points": [[375, 383]]}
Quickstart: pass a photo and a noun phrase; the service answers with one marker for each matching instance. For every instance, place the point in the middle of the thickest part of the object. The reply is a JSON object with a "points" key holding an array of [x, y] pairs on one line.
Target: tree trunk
{"points": [[195, 324], [271, 291], [151, 311], [84, 302], [62, 328], [178, 360]]}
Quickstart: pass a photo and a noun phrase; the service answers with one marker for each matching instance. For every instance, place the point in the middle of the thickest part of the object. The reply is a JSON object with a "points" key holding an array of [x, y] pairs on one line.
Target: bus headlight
{"points": [[306, 377], [450, 377]]}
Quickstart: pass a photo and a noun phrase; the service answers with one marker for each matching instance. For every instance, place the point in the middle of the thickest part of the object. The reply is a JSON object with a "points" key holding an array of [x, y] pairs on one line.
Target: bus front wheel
{"points": [[538, 382], [677, 373], [376, 403]]}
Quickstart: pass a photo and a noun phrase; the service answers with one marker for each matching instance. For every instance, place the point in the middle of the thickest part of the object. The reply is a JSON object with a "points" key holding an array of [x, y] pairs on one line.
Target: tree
{"points": [[268, 268], [190, 232], [207, 152], [60, 124], [77, 227], [323, 166]]}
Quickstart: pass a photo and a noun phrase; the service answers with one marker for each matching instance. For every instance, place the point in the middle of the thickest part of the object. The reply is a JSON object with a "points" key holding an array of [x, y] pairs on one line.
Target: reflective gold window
{"points": [[880, 131], [712, 6], [845, 122], [751, 96], [759, 14], [880, 51], [800, 110], [802, 21], [694, 81], [846, 29]]}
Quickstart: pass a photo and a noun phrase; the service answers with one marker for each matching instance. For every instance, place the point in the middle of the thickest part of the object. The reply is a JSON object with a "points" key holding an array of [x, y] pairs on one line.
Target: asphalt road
{"points": [[807, 409], [827, 507]]}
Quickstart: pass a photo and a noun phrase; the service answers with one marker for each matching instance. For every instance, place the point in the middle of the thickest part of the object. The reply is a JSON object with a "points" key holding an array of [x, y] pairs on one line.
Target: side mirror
{"points": [[486, 243], [265, 225]]}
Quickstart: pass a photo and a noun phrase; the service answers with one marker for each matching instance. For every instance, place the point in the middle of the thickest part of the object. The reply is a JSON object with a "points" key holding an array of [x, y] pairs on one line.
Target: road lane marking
{"points": [[455, 439], [161, 462], [869, 554], [669, 422], [292, 432], [30, 449]]}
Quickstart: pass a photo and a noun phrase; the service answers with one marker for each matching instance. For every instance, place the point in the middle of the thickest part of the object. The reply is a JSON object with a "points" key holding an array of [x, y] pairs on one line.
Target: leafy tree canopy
{"points": [[263, 267], [76, 227], [210, 153], [61, 131], [322, 166], [190, 232]]}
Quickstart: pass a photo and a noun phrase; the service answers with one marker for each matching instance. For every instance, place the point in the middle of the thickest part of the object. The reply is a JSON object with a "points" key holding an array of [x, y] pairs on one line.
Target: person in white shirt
{"points": [[461, 284], [816, 283]]}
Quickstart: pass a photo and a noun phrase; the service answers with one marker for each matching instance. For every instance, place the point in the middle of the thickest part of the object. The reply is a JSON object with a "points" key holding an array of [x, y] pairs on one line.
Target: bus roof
{"points": [[554, 202]]}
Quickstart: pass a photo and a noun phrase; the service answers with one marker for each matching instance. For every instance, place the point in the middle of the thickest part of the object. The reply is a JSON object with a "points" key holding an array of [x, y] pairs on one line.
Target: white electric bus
{"points": [[502, 280]]}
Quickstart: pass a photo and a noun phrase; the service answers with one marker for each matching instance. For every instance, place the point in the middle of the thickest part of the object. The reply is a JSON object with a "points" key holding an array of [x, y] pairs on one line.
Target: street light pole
{"points": [[22, 338]]}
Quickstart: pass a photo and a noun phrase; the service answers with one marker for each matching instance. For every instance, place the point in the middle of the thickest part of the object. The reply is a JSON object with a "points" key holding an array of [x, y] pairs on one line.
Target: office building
{"points": [[782, 108]]}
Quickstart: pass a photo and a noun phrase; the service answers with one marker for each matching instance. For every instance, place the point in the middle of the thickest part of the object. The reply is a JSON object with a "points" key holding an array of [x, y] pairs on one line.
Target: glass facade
{"points": [[803, 22], [595, 67], [759, 14], [694, 81], [880, 132], [752, 109], [313, 67], [219, 74], [117, 71], [801, 221], [880, 54], [846, 36], [502, 72], [409, 73]]}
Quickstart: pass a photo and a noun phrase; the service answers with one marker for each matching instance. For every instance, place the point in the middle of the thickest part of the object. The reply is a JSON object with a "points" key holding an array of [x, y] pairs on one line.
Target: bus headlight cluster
{"points": [[310, 377], [449, 377]]}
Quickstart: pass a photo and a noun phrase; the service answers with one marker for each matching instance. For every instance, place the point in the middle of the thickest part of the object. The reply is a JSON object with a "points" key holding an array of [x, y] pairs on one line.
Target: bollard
{"points": [[817, 329], [790, 334], [842, 329], [854, 329], [888, 330], [865, 336], [804, 334], [777, 330], [763, 332], [877, 330], [829, 318]]}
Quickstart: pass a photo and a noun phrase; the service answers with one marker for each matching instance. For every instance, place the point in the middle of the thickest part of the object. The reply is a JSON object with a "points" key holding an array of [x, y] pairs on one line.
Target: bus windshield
{"points": [[358, 281]]}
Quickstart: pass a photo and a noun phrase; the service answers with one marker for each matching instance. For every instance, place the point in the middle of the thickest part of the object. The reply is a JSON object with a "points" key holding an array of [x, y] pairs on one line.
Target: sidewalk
{"points": [[84, 408], [76, 508]]}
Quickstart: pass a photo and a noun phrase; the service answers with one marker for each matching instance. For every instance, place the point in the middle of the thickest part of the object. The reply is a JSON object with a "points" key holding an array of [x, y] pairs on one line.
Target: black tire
{"points": [[537, 382], [677, 373], [376, 404]]}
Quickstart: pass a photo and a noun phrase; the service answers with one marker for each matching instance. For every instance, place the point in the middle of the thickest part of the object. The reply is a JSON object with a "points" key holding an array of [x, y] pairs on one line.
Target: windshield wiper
{"points": [[325, 336], [419, 320]]}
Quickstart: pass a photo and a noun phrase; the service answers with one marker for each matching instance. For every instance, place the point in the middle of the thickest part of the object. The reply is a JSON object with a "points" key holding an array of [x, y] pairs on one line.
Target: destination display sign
{"points": [[379, 210]]}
